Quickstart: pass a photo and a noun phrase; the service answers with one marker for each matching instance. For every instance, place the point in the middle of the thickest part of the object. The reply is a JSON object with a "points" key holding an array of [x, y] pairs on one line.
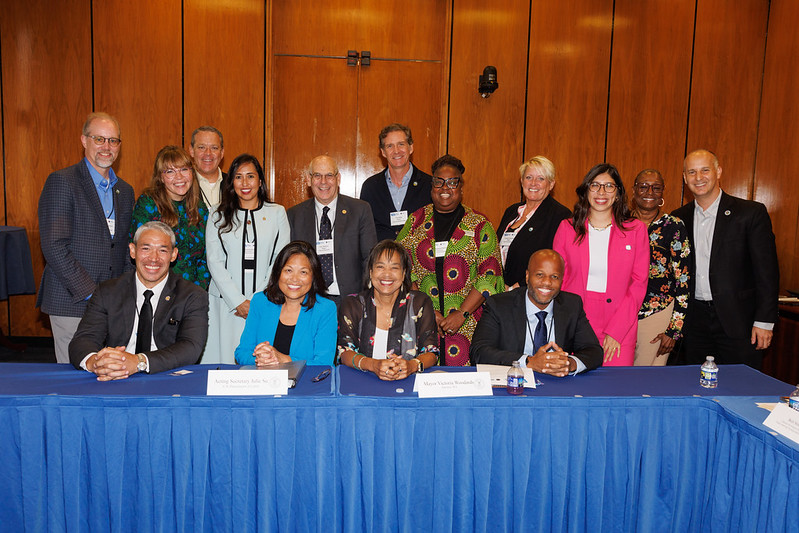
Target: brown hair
{"points": [[173, 156]]}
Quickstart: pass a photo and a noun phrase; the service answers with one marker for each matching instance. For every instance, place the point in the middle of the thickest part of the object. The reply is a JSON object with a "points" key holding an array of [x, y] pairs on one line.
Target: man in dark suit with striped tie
{"points": [[538, 325]]}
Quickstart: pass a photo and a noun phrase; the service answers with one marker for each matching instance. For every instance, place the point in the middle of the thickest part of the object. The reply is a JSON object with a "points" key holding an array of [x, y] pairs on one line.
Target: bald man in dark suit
{"points": [[734, 271]]}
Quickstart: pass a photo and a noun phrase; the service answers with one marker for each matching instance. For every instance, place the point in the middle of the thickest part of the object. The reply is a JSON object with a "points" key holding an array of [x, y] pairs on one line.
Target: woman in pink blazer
{"points": [[607, 261]]}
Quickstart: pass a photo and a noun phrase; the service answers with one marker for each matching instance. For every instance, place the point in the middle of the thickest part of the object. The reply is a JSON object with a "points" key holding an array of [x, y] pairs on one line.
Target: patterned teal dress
{"points": [[191, 263]]}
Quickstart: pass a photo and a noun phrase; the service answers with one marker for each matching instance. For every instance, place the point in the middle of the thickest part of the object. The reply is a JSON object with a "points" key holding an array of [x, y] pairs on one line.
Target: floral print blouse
{"points": [[413, 328], [668, 272], [191, 264]]}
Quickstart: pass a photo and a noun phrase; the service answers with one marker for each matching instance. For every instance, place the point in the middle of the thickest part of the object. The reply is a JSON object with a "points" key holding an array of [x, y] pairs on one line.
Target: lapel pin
{"points": [[529, 229], [414, 184], [167, 298], [343, 211], [727, 212]]}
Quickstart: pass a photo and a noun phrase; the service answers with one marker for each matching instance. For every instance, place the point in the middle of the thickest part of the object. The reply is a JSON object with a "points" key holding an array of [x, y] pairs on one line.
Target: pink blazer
{"points": [[628, 274]]}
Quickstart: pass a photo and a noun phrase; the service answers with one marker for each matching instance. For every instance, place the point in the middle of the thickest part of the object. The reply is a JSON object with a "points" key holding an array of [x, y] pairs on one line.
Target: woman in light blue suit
{"points": [[242, 239], [291, 319]]}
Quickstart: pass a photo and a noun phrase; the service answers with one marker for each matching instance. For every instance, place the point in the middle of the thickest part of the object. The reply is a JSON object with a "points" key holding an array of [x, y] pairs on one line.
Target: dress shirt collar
{"points": [[156, 297], [331, 213], [712, 209], [98, 178]]}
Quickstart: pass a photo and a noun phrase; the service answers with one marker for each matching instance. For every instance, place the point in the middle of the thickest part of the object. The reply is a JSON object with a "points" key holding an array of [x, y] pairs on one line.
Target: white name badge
{"points": [[249, 251], [441, 248], [324, 246], [452, 384], [112, 224], [784, 421], [398, 218], [507, 238], [247, 382]]}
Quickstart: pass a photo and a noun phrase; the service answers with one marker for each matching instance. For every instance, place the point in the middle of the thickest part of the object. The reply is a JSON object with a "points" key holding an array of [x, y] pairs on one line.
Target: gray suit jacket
{"points": [[500, 334], [353, 237], [180, 323], [77, 247]]}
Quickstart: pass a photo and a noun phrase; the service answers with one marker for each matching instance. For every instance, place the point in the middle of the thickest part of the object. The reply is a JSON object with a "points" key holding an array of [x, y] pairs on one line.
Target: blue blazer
{"points": [[314, 337]]}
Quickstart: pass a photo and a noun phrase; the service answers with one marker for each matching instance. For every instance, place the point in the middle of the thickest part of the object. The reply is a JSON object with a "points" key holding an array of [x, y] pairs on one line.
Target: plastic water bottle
{"points": [[709, 373], [793, 399], [515, 379]]}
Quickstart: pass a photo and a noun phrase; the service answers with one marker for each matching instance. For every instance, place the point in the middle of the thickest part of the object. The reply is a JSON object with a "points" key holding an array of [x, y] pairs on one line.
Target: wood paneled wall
{"points": [[777, 154], [636, 83], [47, 93]]}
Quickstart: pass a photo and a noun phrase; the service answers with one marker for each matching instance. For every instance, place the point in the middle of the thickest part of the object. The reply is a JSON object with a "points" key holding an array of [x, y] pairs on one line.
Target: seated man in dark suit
{"points": [[149, 320], [546, 331]]}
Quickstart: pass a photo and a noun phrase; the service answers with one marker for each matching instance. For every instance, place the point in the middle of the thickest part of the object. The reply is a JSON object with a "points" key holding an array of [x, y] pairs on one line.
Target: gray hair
{"points": [[209, 129], [156, 225]]}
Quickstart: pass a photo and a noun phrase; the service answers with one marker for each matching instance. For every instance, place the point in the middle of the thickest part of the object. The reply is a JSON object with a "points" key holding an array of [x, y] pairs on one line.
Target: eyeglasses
{"points": [[170, 173], [643, 187], [609, 187], [451, 183], [318, 177], [99, 140]]}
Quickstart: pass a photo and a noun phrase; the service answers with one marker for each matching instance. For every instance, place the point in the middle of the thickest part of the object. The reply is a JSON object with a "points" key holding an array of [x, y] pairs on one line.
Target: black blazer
{"points": [[499, 337], [180, 323], [536, 234], [375, 192], [744, 272], [353, 237], [78, 249]]}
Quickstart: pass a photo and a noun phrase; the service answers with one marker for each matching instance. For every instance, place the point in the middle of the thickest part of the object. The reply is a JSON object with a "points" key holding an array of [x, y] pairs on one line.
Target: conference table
{"points": [[620, 449]]}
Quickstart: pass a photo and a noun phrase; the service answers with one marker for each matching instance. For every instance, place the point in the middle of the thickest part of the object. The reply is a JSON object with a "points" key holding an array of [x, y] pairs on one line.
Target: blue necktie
{"points": [[540, 335]]}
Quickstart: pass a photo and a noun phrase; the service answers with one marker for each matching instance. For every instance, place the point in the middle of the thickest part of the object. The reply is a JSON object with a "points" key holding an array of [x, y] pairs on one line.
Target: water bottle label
{"points": [[793, 403], [515, 381], [709, 375]]}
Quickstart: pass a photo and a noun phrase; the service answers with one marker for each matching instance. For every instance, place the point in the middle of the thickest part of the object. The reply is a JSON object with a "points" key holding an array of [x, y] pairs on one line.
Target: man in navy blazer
{"points": [[400, 188], [107, 337], [508, 330], [734, 271], [84, 218], [353, 231]]}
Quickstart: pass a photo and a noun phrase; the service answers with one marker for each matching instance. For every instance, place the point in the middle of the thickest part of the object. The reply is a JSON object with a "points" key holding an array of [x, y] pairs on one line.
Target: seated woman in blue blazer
{"points": [[291, 319]]}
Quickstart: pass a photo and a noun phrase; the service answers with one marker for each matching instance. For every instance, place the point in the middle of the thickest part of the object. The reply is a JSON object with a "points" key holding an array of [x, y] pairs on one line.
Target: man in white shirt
{"points": [[341, 228], [207, 150], [147, 320], [734, 271]]}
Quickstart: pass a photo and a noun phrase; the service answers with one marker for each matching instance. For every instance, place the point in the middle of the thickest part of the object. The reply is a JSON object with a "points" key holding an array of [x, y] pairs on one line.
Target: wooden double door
{"points": [[323, 105]]}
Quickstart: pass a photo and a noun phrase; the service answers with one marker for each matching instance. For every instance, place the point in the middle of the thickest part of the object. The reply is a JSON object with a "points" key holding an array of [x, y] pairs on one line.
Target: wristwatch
{"points": [[466, 314], [420, 366], [142, 366]]}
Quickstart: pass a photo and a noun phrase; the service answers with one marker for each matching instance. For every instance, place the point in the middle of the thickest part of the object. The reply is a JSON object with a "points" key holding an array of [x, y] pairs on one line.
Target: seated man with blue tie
{"points": [[147, 320], [546, 331]]}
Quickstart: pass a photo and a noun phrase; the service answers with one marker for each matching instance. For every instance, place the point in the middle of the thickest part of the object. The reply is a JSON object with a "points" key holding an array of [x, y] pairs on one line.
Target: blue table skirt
{"points": [[359, 463]]}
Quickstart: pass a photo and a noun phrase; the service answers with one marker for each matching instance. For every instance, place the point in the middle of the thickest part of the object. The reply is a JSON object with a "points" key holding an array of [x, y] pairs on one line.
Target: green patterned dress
{"points": [[191, 263]]}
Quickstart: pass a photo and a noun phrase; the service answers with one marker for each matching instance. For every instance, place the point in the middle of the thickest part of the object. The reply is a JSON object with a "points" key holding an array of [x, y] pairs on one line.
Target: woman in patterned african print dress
{"points": [[455, 259]]}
